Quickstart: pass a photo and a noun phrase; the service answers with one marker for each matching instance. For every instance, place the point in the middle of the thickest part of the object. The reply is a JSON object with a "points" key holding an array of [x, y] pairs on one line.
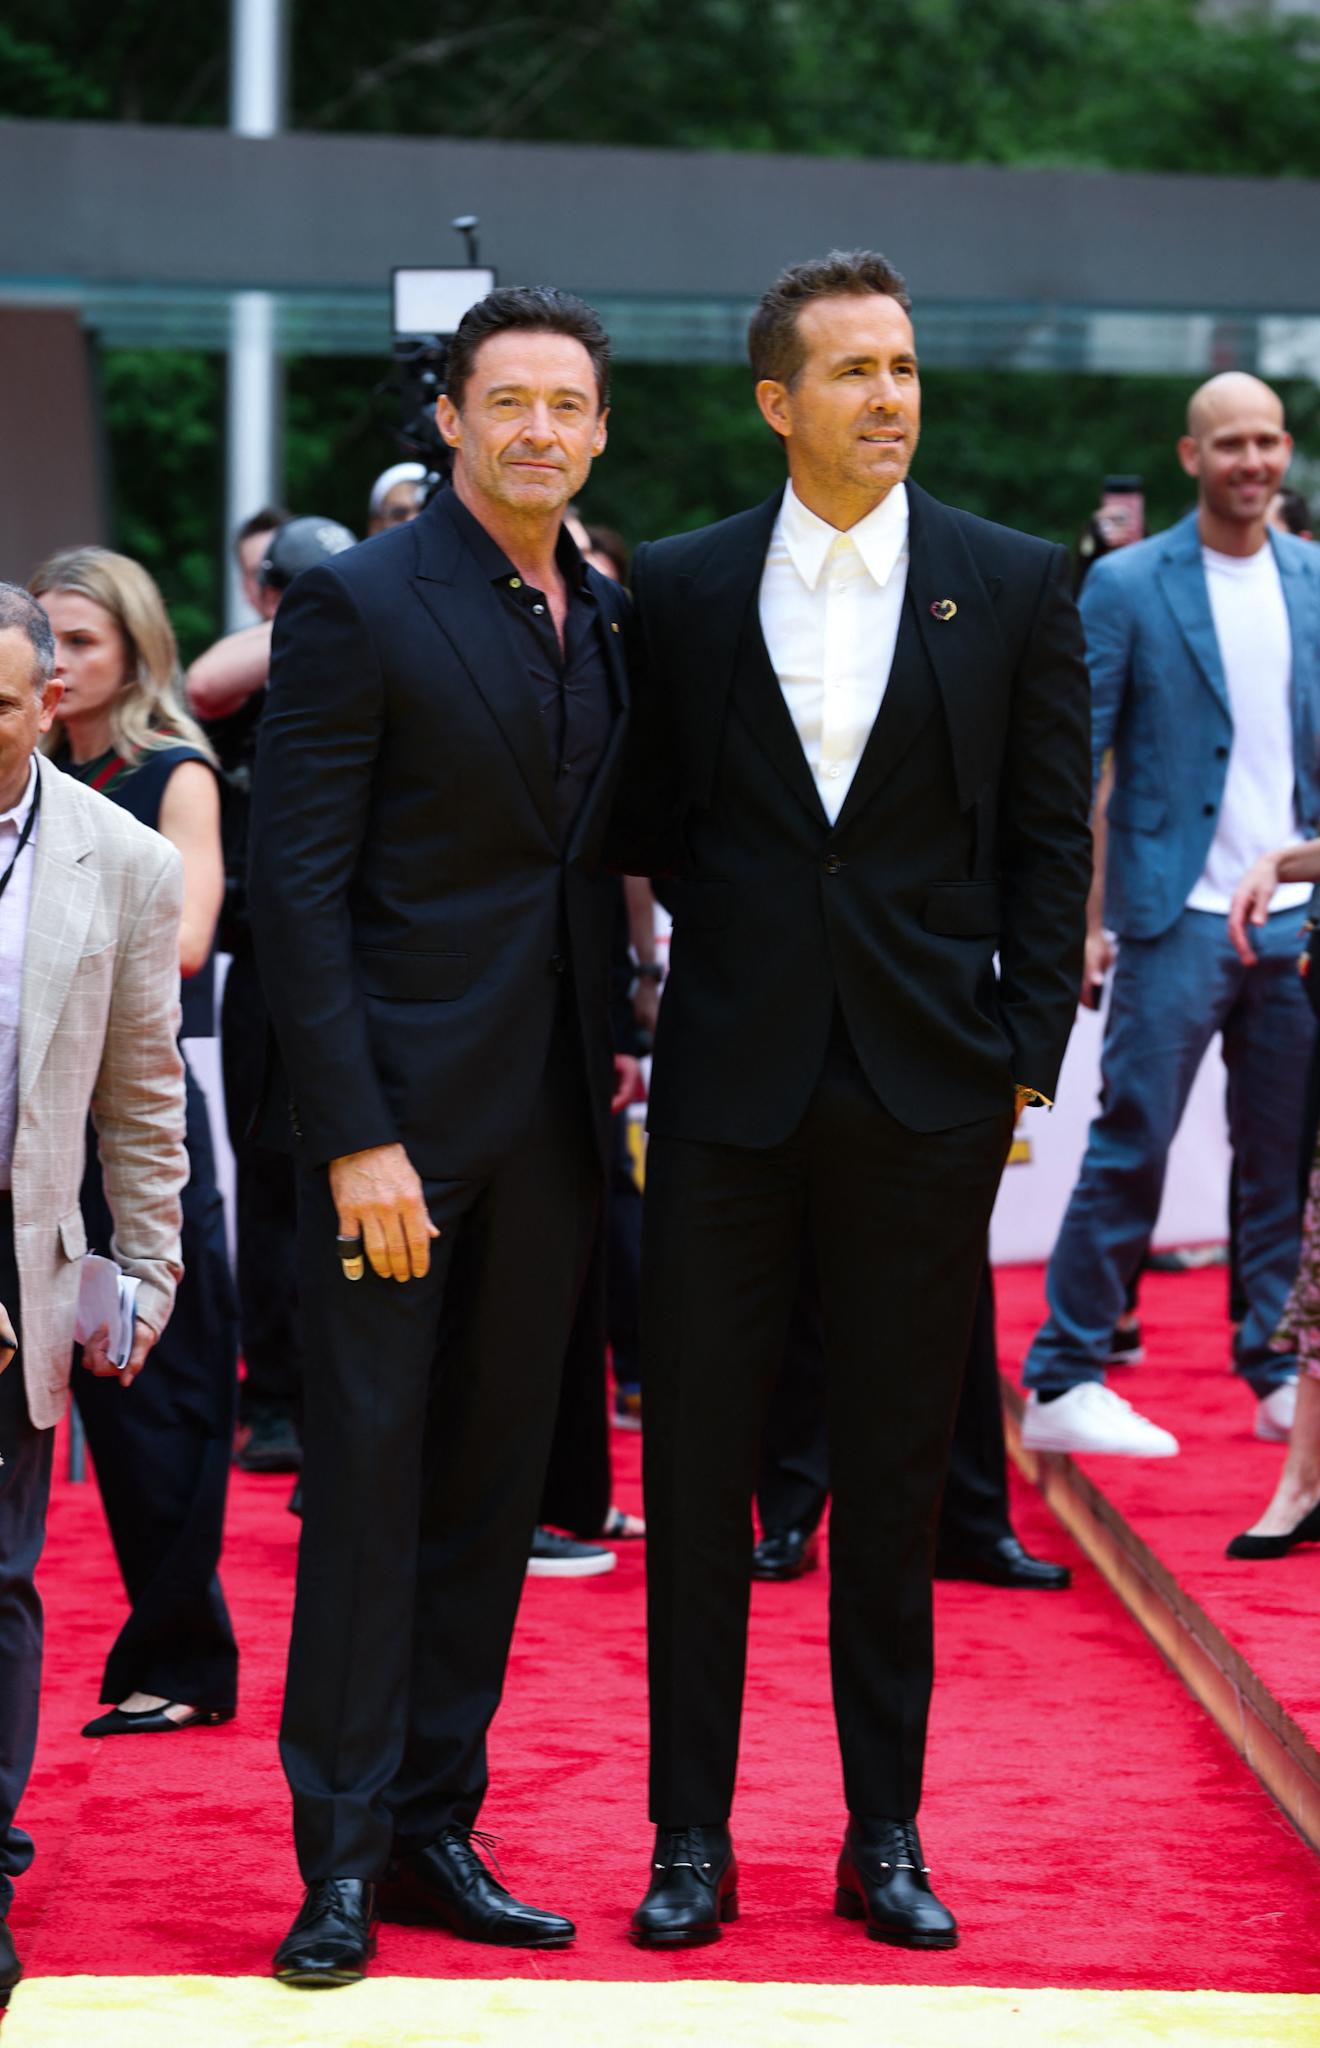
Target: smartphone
{"points": [[1123, 510], [1093, 995]]}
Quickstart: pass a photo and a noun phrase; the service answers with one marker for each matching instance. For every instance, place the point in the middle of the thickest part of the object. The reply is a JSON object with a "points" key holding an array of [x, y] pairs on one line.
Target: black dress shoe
{"points": [[881, 1879], [448, 1885], [155, 1720], [10, 1967], [1305, 1531], [785, 1554], [1004, 1563], [270, 1443], [693, 1888], [331, 1941]]}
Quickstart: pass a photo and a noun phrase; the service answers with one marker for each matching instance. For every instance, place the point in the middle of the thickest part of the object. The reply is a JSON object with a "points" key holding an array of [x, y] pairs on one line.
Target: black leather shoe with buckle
{"points": [[331, 1941], [882, 1879], [693, 1889], [448, 1885]]}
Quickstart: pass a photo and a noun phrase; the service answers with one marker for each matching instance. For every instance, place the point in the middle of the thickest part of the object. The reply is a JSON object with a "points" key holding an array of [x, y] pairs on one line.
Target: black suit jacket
{"points": [[964, 835], [412, 912]]}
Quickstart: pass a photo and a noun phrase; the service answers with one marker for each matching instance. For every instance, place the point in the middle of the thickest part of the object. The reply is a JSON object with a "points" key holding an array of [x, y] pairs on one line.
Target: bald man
{"points": [[1204, 651]]}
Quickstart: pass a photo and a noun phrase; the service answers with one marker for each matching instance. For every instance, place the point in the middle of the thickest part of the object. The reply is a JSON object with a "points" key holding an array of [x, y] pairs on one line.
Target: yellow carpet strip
{"points": [[414, 2012]]}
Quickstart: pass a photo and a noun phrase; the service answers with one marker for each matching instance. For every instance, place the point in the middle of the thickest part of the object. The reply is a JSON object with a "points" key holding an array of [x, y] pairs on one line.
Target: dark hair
{"points": [[265, 521], [1295, 511], [531, 308], [773, 341], [20, 613]]}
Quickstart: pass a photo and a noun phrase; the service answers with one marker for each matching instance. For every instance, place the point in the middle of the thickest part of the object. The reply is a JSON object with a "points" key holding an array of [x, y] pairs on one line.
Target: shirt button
{"points": [[1209, 810], [538, 607], [515, 582], [557, 963], [1221, 753], [832, 773]]}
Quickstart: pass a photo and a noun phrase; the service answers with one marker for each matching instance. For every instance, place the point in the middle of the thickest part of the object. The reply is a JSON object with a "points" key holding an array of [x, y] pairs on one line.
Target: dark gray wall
{"points": [[53, 493], [121, 204]]}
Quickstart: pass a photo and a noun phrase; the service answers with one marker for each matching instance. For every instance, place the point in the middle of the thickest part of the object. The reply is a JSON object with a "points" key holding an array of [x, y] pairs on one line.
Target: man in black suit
{"points": [[434, 774], [861, 728]]}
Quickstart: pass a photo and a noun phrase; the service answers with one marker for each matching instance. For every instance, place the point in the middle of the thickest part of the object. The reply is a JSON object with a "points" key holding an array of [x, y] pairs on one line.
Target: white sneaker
{"points": [[1091, 1417], [1274, 1415]]}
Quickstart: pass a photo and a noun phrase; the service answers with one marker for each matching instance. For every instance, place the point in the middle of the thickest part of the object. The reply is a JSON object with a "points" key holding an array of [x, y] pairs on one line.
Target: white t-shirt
{"points": [[1259, 808]]}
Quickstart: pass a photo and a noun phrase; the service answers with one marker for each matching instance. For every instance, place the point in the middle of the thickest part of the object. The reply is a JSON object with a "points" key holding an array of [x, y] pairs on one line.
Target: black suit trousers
{"points": [[896, 1222], [427, 1417]]}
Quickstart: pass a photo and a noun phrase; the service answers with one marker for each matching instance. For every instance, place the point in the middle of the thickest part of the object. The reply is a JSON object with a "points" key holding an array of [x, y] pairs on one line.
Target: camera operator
{"points": [[227, 681]]}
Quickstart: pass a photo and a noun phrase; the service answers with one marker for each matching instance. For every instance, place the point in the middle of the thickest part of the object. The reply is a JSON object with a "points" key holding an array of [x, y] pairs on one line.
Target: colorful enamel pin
{"points": [[943, 608]]}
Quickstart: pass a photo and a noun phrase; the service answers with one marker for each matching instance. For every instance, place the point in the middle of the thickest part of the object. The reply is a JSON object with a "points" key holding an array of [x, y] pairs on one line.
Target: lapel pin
{"points": [[614, 625], [943, 608]]}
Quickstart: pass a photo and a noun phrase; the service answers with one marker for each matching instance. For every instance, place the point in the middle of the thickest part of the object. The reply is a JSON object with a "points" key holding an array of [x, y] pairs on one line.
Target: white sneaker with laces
{"points": [[1092, 1417], [1274, 1415]]}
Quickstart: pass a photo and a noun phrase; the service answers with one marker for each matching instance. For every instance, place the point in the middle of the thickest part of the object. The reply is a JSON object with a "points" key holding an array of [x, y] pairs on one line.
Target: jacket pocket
{"points": [[962, 910], [1127, 808], [73, 1235], [412, 977]]}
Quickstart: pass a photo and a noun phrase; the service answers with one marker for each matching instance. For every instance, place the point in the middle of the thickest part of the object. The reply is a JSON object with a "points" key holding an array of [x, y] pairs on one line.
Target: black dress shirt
{"points": [[571, 682]]}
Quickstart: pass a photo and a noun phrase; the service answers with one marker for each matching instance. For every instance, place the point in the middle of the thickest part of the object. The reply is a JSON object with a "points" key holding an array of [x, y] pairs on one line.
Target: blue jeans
{"points": [[1170, 996]]}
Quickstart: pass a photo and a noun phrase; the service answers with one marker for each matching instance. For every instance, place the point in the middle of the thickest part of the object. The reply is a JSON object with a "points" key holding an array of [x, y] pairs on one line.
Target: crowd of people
{"points": [[853, 740]]}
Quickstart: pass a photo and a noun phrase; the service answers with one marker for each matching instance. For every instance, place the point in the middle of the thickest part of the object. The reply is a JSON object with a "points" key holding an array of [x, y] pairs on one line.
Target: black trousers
{"points": [[426, 1429], [24, 1494], [161, 1453], [896, 1222], [265, 1210], [793, 1485]]}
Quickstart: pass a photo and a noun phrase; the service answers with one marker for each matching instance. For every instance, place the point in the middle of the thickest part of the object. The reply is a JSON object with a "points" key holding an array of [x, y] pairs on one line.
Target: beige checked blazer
{"points": [[97, 1030]]}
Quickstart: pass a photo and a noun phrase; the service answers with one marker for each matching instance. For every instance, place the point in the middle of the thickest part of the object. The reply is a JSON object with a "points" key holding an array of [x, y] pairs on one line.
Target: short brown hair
{"points": [[773, 341], [531, 308]]}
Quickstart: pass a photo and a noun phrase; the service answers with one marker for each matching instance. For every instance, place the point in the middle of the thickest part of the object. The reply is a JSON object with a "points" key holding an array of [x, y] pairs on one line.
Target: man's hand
{"points": [[378, 1197], [96, 1354], [628, 1083], [8, 1339], [1251, 905], [1097, 959]]}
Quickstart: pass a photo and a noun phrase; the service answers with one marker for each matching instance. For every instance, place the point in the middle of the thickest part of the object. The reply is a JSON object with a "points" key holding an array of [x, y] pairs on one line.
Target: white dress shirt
{"points": [[831, 604], [13, 943], [1258, 810]]}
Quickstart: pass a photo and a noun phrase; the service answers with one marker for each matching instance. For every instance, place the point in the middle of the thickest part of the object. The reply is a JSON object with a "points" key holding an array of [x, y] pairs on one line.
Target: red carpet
{"points": [[1083, 1817], [1187, 1508]]}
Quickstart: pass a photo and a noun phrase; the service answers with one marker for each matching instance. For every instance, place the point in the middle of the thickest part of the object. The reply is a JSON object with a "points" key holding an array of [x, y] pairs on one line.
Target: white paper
{"points": [[107, 1295]]}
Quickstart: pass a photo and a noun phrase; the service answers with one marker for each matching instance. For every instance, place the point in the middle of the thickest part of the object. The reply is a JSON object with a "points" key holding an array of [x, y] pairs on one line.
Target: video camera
{"points": [[427, 305]]}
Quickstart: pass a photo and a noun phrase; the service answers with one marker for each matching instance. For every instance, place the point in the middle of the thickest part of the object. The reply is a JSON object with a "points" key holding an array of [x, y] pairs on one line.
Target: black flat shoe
{"points": [[448, 1885], [882, 1880], [1005, 1563], [156, 1720], [1306, 1531], [693, 1889], [331, 1941], [10, 1967], [785, 1554]]}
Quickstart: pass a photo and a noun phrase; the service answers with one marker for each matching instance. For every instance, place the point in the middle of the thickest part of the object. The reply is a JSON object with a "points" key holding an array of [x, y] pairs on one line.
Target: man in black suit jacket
{"points": [[861, 745], [434, 774]]}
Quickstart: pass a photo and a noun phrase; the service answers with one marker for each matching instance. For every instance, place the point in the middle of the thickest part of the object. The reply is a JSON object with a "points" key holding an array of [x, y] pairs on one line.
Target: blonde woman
{"points": [[162, 1453]]}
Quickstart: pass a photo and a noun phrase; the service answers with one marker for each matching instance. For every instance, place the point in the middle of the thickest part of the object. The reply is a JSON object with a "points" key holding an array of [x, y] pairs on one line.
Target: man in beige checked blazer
{"points": [[89, 993]]}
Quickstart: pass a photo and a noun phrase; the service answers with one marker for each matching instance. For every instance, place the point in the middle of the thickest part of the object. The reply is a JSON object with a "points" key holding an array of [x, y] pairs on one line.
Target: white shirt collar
{"points": [[17, 816], [880, 538]]}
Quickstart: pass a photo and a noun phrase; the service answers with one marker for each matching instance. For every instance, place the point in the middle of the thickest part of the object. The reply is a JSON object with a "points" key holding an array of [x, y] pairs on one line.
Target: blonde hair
{"points": [[149, 712]]}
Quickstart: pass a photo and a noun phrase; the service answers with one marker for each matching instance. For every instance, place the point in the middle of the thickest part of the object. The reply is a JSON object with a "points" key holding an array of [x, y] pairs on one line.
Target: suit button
{"points": [[832, 863], [1209, 810], [1221, 753], [557, 963]]}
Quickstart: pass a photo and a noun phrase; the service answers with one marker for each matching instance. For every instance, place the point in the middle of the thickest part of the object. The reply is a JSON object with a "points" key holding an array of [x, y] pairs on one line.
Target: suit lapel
{"points": [[1301, 595], [60, 909], [610, 604], [906, 705], [1182, 580], [716, 599], [760, 698], [467, 611], [961, 648]]}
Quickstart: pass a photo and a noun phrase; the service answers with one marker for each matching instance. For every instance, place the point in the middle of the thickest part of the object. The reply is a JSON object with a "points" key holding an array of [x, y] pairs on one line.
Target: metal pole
{"points": [[253, 452]]}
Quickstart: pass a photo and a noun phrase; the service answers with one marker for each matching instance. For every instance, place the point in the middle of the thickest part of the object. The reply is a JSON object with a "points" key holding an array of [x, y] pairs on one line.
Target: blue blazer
{"points": [[1159, 699]]}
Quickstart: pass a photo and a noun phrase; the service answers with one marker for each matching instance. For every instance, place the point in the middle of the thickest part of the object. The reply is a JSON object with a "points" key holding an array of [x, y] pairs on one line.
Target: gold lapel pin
{"points": [[943, 608], [614, 625]]}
